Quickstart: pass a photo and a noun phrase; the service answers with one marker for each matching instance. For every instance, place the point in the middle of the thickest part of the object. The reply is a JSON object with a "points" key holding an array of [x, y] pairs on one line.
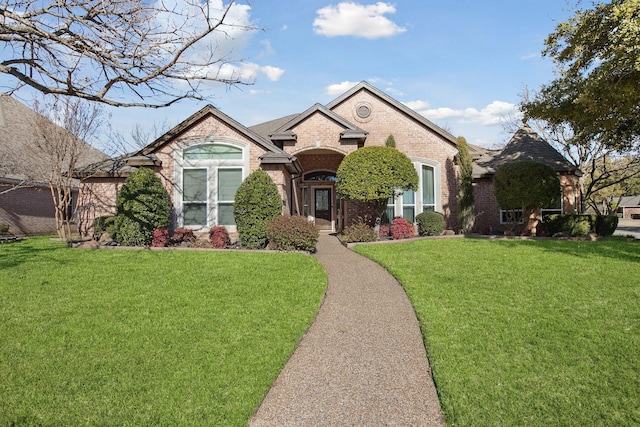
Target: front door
{"points": [[323, 208]]}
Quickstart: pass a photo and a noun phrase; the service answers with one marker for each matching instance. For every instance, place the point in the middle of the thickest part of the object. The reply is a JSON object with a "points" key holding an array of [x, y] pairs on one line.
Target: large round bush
{"points": [[257, 202], [142, 205], [430, 223]]}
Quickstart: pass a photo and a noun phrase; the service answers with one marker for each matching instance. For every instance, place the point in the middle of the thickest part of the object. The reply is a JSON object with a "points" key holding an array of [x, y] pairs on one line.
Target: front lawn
{"points": [[139, 337], [532, 333]]}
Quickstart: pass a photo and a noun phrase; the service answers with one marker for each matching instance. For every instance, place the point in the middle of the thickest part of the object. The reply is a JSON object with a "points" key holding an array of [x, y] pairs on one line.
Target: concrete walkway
{"points": [[362, 362]]}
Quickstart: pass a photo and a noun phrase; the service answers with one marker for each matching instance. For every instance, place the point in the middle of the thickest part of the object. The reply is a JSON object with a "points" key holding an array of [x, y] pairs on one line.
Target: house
{"points": [[26, 203], [525, 144], [629, 207], [202, 161]]}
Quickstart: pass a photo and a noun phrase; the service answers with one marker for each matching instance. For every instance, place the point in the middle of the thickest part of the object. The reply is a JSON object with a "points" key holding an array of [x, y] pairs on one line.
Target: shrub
{"points": [[430, 223], [292, 233], [384, 231], [572, 225], [606, 225], [143, 201], [4, 227], [160, 237], [257, 202], [359, 232], [219, 237], [402, 229], [182, 235], [104, 224]]}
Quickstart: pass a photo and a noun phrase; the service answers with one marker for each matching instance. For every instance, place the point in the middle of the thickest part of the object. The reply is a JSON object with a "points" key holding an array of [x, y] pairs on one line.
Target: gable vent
{"points": [[363, 111]]}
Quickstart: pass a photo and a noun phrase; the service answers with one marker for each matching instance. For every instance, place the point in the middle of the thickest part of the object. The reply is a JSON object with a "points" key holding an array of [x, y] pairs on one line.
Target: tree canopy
{"points": [[597, 55], [119, 52]]}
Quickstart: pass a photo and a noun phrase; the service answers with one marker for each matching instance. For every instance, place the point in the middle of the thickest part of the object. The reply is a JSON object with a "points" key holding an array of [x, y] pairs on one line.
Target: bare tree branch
{"points": [[120, 52]]}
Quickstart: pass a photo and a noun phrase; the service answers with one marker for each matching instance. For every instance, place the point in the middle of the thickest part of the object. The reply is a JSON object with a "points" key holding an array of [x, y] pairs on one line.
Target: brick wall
{"points": [[27, 210]]}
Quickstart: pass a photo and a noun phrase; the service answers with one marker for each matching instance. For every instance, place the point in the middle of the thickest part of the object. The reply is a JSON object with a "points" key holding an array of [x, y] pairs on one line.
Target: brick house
{"points": [[629, 207], [524, 145], [26, 203], [203, 160]]}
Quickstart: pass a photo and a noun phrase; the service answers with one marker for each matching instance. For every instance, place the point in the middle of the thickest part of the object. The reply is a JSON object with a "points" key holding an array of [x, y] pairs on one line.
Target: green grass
{"points": [[121, 337], [533, 333]]}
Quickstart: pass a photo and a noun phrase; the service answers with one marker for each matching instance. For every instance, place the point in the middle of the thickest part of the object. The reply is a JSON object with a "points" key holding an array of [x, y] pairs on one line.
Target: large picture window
{"points": [[428, 189], [210, 174], [410, 203]]}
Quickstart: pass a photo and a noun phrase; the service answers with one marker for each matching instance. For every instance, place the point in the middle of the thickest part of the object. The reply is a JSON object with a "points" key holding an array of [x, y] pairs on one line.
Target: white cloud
{"points": [[354, 19], [339, 88], [267, 49], [532, 55], [490, 115], [247, 72]]}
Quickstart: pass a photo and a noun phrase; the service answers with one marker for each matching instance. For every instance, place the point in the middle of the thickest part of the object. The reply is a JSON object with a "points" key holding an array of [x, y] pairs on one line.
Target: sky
{"points": [[462, 64]]}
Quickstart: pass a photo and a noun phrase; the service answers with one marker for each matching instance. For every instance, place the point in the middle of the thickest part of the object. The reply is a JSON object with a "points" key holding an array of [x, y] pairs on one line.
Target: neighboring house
{"points": [[629, 207], [203, 160], [26, 203], [524, 145]]}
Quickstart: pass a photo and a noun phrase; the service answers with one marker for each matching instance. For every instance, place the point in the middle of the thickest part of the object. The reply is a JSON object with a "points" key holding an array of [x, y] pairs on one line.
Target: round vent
{"points": [[363, 111]]}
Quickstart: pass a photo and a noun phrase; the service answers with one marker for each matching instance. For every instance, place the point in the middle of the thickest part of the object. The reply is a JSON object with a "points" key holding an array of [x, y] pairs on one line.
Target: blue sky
{"points": [[460, 63]]}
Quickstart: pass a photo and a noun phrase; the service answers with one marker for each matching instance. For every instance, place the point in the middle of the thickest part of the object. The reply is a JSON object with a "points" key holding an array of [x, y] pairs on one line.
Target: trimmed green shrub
{"points": [[142, 205], [571, 225], [430, 223], [292, 233], [401, 229], [359, 232], [606, 225], [4, 227], [219, 237], [257, 202]]}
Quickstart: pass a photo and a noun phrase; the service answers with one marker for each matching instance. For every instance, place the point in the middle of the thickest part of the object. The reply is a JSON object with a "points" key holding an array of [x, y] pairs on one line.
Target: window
{"points": [[409, 205], [305, 201], [428, 189], [210, 174], [555, 209], [389, 212], [505, 216], [194, 196], [228, 182]]}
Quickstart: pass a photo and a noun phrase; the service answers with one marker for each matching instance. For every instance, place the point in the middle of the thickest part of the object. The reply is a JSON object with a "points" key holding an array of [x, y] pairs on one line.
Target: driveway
{"points": [[628, 227]]}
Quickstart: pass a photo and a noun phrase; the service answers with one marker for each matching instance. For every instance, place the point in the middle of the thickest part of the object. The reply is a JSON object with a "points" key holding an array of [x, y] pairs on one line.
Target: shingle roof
{"points": [[525, 144], [630, 202], [20, 157]]}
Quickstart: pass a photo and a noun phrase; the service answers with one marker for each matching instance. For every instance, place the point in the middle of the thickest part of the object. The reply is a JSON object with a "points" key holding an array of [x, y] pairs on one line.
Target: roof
{"points": [[363, 85], [525, 144], [630, 202], [350, 131], [21, 159]]}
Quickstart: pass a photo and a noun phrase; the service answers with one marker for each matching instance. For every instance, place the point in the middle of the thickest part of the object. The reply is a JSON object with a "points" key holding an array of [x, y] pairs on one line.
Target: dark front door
{"points": [[322, 212]]}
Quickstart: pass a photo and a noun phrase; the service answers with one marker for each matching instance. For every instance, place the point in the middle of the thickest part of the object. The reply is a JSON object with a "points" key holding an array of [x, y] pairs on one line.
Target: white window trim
{"points": [[437, 182], [212, 167]]}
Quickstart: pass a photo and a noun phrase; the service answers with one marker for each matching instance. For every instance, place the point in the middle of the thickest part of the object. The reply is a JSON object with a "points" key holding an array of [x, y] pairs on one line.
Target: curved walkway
{"points": [[362, 362]]}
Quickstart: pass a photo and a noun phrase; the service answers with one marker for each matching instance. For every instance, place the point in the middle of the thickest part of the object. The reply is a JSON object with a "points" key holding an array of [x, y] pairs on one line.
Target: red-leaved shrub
{"points": [[219, 237], [402, 229], [182, 235], [160, 237], [384, 230]]}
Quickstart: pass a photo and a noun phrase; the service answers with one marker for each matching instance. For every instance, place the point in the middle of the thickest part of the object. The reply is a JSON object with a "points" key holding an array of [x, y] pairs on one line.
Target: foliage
{"points": [[182, 235], [609, 178], [390, 142], [534, 333], [525, 185], [359, 231], [430, 223], [127, 337], [384, 231], [4, 227], [292, 233], [374, 174], [103, 224], [596, 90], [160, 237], [606, 225], [142, 205], [219, 237], [257, 202], [401, 229], [119, 51], [465, 192], [571, 225]]}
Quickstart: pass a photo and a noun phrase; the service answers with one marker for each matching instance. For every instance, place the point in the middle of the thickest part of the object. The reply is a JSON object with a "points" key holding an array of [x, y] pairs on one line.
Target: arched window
{"points": [[320, 176], [209, 175]]}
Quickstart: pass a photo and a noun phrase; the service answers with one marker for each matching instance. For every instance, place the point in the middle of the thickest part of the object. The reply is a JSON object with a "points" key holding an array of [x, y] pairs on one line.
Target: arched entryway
{"points": [[316, 188]]}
